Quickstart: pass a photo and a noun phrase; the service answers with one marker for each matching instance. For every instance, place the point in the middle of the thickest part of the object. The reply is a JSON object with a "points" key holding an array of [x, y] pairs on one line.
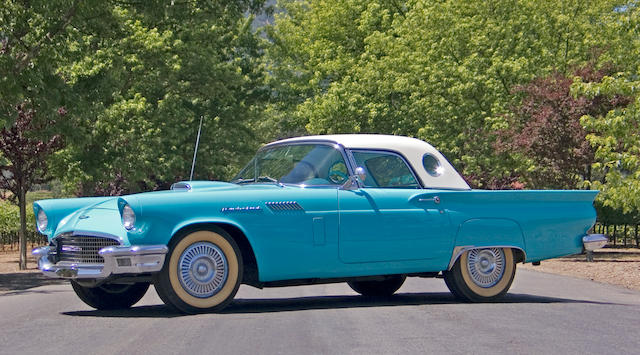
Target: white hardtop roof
{"points": [[411, 148]]}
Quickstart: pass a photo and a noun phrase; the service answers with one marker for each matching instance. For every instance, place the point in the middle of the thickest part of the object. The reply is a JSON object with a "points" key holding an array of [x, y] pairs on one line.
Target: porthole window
{"points": [[432, 165]]}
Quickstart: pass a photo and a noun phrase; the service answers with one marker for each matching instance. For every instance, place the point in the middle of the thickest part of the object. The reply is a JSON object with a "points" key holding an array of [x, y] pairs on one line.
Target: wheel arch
{"points": [[250, 274], [477, 233], [519, 253]]}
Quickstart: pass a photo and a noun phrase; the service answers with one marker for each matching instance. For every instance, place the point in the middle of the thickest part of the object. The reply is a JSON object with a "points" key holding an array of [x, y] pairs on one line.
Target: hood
{"points": [[82, 213]]}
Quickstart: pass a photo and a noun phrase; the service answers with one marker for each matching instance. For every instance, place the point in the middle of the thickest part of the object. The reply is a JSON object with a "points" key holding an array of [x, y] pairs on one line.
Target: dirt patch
{"points": [[619, 267], [9, 262]]}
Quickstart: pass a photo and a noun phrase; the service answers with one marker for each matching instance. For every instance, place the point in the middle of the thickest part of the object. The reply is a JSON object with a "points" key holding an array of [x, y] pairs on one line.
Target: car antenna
{"points": [[195, 150]]}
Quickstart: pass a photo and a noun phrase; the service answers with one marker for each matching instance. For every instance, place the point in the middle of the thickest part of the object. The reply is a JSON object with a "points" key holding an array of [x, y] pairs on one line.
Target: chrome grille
{"points": [[82, 249]]}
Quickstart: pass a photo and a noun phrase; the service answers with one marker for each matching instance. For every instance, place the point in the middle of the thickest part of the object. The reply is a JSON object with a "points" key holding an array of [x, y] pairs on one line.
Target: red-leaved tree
{"points": [[23, 156], [546, 129]]}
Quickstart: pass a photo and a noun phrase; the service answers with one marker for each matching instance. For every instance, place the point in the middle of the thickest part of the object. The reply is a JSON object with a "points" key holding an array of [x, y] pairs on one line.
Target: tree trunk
{"points": [[23, 228]]}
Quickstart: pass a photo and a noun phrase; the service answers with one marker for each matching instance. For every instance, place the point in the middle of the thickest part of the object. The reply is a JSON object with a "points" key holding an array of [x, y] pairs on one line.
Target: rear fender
{"points": [[488, 233]]}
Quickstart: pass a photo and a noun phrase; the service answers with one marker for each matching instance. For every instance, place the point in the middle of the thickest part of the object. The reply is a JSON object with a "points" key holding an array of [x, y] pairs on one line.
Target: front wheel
{"points": [[374, 288], [481, 275], [111, 296], [201, 273]]}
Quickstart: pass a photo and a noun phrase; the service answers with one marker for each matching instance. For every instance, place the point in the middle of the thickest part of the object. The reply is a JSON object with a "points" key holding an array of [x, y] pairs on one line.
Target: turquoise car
{"points": [[369, 210]]}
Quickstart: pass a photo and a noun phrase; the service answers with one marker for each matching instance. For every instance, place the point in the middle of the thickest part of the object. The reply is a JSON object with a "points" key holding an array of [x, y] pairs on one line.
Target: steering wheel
{"points": [[309, 167], [337, 176]]}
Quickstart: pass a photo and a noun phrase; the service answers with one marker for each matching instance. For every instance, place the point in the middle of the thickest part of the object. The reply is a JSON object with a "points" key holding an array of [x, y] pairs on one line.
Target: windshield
{"points": [[302, 164]]}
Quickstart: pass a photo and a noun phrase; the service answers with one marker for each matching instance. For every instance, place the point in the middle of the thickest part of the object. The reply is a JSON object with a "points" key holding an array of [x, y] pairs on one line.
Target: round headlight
{"points": [[42, 221], [128, 217]]}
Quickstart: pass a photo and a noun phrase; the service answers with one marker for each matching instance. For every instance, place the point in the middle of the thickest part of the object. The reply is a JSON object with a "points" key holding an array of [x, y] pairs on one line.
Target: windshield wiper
{"points": [[266, 179], [242, 181], [259, 179]]}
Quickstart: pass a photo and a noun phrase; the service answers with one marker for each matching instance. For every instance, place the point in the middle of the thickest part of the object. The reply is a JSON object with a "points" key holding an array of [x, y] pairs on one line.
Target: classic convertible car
{"points": [[369, 210]]}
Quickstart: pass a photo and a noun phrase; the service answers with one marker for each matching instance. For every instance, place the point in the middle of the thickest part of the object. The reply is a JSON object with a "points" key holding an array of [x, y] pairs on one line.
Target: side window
{"points": [[385, 169]]}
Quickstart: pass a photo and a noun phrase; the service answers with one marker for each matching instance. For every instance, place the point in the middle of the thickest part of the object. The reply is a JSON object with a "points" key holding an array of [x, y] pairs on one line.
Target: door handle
{"points": [[435, 199]]}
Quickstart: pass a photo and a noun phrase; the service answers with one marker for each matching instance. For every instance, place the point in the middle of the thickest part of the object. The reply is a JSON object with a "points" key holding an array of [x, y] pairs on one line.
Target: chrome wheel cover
{"points": [[202, 269], [486, 266]]}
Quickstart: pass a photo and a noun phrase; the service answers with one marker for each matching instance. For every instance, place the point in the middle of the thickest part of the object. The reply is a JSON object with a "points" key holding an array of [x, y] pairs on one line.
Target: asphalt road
{"points": [[543, 314]]}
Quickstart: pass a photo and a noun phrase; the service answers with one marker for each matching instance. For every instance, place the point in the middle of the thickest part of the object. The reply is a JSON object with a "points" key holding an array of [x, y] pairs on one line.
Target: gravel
{"points": [[619, 267]]}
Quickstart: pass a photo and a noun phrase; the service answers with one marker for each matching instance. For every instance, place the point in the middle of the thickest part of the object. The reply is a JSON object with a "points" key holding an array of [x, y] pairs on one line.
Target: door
{"points": [[295, 232], [391, 218]]}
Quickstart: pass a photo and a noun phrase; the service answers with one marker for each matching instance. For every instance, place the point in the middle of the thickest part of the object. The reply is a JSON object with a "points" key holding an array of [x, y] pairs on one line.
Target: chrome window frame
{"points": [[391, 152], [339, 147]]}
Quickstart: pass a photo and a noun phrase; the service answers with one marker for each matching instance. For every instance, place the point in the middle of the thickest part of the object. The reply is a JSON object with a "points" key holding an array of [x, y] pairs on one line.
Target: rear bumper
{"points": [[594, 241], [136, 259]]}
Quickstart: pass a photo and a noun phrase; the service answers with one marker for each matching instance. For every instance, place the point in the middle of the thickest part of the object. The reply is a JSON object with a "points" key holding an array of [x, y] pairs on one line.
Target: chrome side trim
{"points": [[134, 259], [241, 209], [592, 242], [459, 250]]}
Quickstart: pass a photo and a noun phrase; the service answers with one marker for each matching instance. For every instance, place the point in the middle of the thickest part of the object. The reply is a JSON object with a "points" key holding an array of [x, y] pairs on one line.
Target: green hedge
{"points": [[610, 216]]}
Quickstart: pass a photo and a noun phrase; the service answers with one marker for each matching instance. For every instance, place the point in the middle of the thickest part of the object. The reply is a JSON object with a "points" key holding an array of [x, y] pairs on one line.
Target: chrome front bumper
{"points": [[136, 259], [592, 242]]}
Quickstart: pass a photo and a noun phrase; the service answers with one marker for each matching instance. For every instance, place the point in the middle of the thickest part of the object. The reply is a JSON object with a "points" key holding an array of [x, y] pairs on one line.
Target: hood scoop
{"points": [[181, 186], [187, 186]]}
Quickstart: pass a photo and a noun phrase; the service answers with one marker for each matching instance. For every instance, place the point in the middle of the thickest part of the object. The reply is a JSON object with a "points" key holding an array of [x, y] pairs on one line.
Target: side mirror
{"points": [[361, 174], [354, 180]]}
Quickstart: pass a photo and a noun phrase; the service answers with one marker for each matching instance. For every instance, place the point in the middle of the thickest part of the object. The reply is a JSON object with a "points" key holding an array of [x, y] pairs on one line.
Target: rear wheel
{"points": [[111, 296], [202, 272], [375, 288], [481, 275]]}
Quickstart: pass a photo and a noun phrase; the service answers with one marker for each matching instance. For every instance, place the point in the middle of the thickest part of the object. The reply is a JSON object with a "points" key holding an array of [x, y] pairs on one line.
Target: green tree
{"points": [[615, 137], [127, 82], [26, 158], [33, 37], [145, 74], [441, 71]]}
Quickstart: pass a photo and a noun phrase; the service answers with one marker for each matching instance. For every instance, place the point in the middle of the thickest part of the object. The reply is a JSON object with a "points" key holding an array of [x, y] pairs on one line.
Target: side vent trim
{"points": [[284, 206]]}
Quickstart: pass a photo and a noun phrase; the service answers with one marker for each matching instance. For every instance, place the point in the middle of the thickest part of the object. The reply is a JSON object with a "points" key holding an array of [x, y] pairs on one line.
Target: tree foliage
{"points": [[441, 71], [545, 131], [615, 136], [32, 38], [33, 41], [24, 154], [26, 164], [145, 74], [486, 82]]}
